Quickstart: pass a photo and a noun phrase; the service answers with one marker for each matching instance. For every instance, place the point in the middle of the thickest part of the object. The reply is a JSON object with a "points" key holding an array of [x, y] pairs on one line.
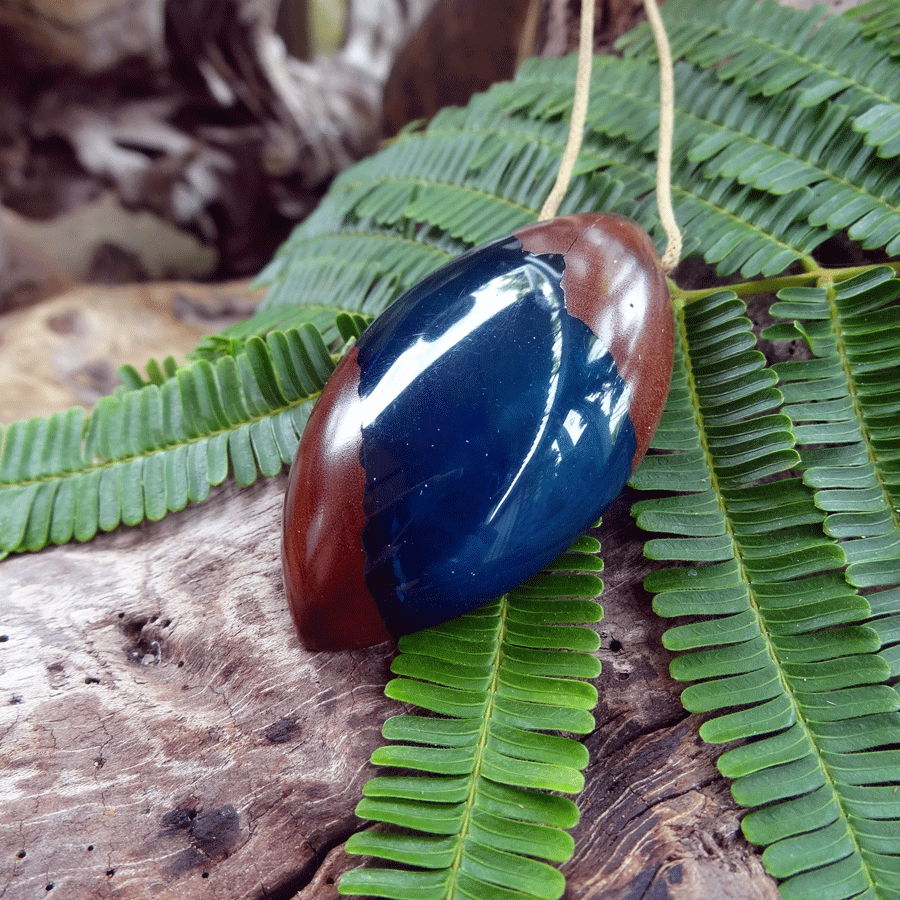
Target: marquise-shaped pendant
{"points": [[476, 429]]}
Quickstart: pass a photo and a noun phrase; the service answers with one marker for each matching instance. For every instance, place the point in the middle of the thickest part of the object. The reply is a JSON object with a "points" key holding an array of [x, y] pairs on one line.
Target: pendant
{"points": [[477, 428]]}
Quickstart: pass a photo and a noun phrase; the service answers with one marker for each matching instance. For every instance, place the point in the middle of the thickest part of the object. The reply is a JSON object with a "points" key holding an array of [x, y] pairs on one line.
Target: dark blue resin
{"points": [[495, 432]]}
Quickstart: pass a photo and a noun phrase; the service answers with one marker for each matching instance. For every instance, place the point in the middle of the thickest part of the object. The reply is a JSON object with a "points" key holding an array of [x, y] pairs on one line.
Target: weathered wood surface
{"points": [[163, 734], [66, 351]]}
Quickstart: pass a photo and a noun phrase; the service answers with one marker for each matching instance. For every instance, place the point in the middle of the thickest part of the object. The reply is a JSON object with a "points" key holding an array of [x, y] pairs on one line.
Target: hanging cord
{"points": [[579, 112], [672, 253]]}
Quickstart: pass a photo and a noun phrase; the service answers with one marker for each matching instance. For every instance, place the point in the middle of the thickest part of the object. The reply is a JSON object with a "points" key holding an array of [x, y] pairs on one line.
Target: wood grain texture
{"points": [[162, 732], [157, 707], [191, 111], [322, 553]]}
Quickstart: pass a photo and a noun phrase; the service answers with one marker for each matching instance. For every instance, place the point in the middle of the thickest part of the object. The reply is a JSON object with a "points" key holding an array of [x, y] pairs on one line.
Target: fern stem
{"points": [[579, 113], [812, 276], [672, 253], [481, 747], [748, 288]]}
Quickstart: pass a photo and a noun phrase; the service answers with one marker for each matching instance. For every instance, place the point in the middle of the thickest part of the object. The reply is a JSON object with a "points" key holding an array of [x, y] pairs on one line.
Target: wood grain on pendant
{"points": [[323, 557]]}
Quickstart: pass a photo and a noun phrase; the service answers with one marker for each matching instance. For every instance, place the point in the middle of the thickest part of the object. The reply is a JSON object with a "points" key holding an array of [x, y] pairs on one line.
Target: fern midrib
{"points": [[804, 258], [770, 647], [858, 409], [814, 276], [481, 746], [827, 173]]}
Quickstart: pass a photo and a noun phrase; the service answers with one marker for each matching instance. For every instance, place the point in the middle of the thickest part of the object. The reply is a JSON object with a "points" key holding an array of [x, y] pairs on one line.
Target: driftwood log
{"points": [[193, 110], [163, 734], [199, 113]]}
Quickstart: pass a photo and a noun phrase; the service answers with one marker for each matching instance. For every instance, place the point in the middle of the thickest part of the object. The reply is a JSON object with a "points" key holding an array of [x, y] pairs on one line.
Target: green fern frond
{"points": [[736, 228], [780, 647], [232, 341], [769, 49], [480, 171], [879, 20], [474, 820], [854, 329], [159, 445], [777, 146]]}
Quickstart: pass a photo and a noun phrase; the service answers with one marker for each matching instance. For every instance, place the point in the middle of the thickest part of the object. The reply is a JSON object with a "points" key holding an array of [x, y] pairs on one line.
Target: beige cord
{"points": [[672, 253], [579, 112], [666, 127]]}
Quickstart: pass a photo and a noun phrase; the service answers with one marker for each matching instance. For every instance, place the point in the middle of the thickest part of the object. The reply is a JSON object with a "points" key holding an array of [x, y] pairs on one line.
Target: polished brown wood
{"points": [[322, 554]]}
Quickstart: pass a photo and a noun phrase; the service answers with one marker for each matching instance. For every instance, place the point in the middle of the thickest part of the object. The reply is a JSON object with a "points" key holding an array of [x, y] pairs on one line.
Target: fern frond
{"points": [[232, 341], [787, 132], [774, 146], [769, 49], [162, 444], [778, 147], [778, 646], [473, 820], [879, 20], [854, 330], [480, 171]]}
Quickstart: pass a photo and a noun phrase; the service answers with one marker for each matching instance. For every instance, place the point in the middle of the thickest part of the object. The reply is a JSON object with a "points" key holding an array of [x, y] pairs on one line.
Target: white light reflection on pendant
{"points": [[493, 298]]}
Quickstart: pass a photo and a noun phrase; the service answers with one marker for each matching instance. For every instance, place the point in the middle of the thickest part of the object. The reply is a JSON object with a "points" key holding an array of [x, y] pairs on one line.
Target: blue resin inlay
{"points": [[495, 432]]}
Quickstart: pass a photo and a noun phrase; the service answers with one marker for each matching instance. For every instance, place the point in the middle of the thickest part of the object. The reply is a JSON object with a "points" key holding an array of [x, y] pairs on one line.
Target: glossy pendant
{"points": [[476, 429]]}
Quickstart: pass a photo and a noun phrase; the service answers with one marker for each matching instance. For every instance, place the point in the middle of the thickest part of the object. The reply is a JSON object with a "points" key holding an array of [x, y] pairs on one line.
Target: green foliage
{"points": [[472, 817], [775, 51], [854, 330], [160, 442], [880, 20], [772, 494], [776, 638]]}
